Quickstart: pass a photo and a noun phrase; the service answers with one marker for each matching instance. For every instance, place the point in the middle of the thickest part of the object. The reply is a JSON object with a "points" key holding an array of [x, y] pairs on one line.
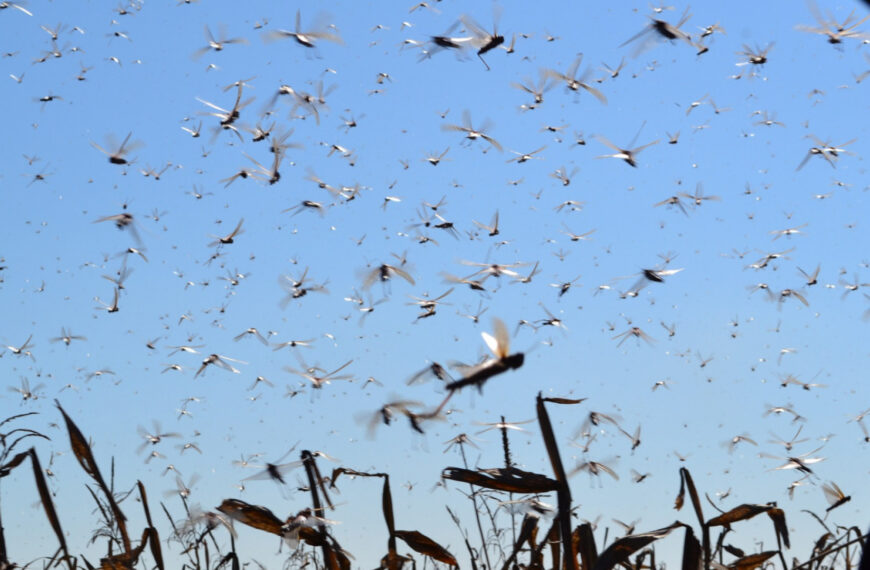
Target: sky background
{"points": [[55, 255]]}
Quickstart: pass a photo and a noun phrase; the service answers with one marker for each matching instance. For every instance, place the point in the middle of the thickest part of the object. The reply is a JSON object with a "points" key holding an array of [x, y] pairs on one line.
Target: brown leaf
{"points": [[13, 463], [752, 561], [778, 517], [584, 544], [425, 545], [564, 401], [734, 551], [156, 551], [254, 516], [45, 498], [620, 550], [686, 480], [80, 447], [741, 513], [691, 551], [510, 479]]}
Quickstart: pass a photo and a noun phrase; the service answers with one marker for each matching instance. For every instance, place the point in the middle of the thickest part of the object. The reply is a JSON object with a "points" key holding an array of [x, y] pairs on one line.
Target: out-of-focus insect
{"points": [[836, 497], [321, 380], [499, 344], [220, 362], [471, 133], [117, 157], [484, 41], [305, 39]]}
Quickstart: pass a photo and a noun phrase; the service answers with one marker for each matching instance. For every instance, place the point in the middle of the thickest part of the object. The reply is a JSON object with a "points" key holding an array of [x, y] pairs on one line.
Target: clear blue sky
{"points": [[54, 256]]}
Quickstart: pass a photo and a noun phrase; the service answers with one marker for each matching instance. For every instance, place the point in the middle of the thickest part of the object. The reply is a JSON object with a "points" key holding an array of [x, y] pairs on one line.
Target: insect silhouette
{"points": [[499, 345], [118, 156], [482, 38], [471, 133], [305, 39]]}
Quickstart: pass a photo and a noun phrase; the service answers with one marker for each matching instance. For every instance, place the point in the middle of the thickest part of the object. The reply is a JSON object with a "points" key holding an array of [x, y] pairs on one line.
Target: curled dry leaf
{"points": [[510, 479], [252, 515], [425, 545]]}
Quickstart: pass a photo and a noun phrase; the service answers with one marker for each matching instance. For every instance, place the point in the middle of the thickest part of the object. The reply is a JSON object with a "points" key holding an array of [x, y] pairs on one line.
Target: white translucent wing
{"points": [[498, 342], [491, 343]]}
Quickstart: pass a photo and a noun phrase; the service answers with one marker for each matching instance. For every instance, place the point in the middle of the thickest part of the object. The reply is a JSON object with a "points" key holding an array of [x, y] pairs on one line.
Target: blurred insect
{"points": [[755, 56], [23, 350], [483, 39], [471, 133], [662, 30], [385, 273], [575, 83], [836, 497], [636, 332], [275, 471], [153, 438], [629, 155], [835, 31], [220, 362], [66, 337], [499, 344], [229, 238], [217, 45], [387, 413], [319, 381], [530, 507], [123, 221], [790, 443], [303, 519], [117, 157], [251, 332], [27, 393], [305, 39], [800, 462], [594, 468]]}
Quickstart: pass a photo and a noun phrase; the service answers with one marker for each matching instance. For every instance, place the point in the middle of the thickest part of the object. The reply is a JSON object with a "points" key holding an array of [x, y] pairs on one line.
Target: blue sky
{"points": [[55, 255]]}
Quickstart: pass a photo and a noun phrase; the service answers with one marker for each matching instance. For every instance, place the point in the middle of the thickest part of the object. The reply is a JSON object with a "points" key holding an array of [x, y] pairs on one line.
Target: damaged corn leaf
{"points": [[620, 550], [425, 545], [508, 479], [254, 516], [752, 561], [741, 513]]}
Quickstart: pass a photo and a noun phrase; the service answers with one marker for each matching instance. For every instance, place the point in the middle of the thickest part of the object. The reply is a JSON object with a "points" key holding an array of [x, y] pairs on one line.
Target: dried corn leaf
{"points": [[584, 544], [563, 492], [13, 463], [338, 471], [565, 401], [552, 540], [125, 560], [740, 513], [620, 550], [686, 482], [752, 561], [387, 507], [230, 558], [821, 543], [395, 561], [10, 443], [45, 497], [80, 447], [254, 516], [425, 545], [734, 551], [527, 529], [336, 558], [508, 479], [777, 515], [156, 550], [691, 551]]}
